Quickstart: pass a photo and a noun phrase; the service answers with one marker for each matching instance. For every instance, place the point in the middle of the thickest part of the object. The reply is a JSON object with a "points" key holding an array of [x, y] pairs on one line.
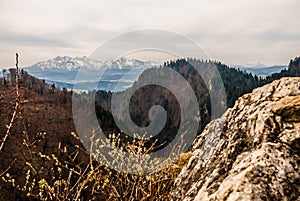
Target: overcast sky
{"points": [[232, 31]]}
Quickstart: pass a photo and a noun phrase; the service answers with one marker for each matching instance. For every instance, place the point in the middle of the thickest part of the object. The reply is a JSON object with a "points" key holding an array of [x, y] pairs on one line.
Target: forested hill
{"points": [[236, 84], [292, 71], [43, 124], [294, 67]]}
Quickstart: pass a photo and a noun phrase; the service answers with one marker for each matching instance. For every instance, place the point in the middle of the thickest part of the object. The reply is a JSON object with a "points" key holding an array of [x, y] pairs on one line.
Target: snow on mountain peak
{"points": [[69, 63], [124, 63], [64, 71], [254, 65]]}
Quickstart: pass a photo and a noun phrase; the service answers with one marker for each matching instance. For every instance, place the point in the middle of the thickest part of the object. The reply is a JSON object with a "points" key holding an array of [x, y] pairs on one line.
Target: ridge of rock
{"points": [[251, 153]]}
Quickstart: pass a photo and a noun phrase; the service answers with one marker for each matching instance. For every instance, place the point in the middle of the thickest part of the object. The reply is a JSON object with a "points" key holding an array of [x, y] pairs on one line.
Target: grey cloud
{"points": [[31, 40], [231, 30], [277, 36]]}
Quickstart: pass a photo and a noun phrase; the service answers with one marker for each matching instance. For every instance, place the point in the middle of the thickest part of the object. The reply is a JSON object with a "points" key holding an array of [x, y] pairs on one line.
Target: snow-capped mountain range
{"points": [[63, 72], [116, 75], [69, 63]]}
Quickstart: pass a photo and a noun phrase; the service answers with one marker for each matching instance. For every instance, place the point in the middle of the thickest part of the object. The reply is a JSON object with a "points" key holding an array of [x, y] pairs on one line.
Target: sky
{"points": [[231, 31]]}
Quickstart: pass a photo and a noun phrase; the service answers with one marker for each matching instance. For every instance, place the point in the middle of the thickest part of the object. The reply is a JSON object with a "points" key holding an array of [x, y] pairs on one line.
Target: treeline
{"points": [[292, 71], [32, 84], [236, 83]]}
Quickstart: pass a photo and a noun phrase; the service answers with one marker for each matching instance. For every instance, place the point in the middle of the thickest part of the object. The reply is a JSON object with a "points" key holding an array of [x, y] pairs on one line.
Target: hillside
{"points": [[236, 83], [43, 123], [45, 127]]}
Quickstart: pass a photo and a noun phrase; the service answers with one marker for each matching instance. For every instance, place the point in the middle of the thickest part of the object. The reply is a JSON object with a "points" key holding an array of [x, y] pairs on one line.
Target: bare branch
{"points": [[16, 107]]}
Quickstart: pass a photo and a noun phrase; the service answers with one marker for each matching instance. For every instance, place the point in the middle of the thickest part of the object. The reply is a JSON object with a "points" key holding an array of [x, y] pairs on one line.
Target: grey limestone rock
{"points": [[251, 153]]}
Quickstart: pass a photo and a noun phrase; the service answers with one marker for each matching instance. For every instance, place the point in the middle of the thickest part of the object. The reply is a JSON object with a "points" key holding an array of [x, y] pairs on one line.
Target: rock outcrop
{"points": [[251, 153]]}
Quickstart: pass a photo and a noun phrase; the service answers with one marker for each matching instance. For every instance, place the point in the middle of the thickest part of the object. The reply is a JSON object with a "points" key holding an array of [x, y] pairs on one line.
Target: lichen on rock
{"points": [[288, 108]]}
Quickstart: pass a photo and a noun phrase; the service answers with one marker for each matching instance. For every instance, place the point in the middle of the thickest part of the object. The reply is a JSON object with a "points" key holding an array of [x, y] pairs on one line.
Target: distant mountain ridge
{"points": [[63, 72], [70, 63], [260, 70], [67, 63]]}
